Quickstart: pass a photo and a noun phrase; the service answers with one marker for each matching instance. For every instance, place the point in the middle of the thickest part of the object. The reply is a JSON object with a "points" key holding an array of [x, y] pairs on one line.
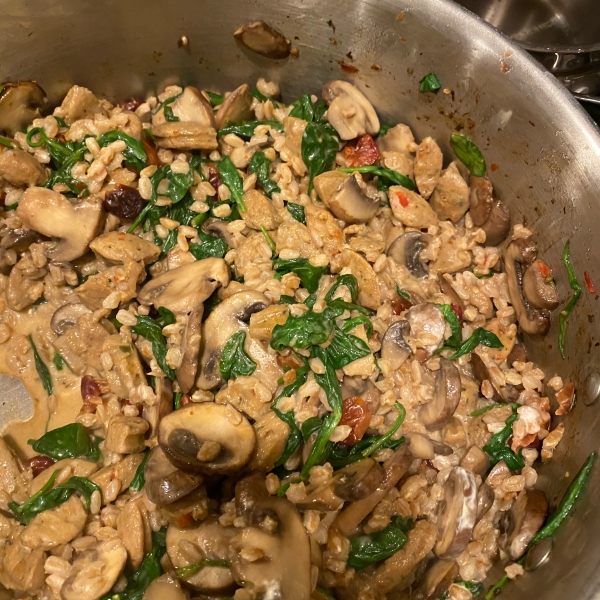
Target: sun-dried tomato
{"points": [[361, 152], [213, 176], [89, 387], [39, 463], [400, 304], [132, 104], [356, 414], [456, 308]]}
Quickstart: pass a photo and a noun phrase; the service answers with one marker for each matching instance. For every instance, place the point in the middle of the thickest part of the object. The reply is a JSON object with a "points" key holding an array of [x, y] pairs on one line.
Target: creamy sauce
{"points": [[49, 412]]}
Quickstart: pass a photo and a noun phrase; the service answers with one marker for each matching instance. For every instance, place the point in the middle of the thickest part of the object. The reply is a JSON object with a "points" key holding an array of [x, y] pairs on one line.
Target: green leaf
{"points": [[319, 147], [479, 336], [309, 275], [190, 570], [303, 108], [246, 130], [233, 180], [269, 239], [429, 83], [302, 331], [345, 348], [310, 426], [152, 331], [58, 362], [6, 142], [168, 110], [215, 99], [455, 340], [234, 360], [468, 154], [260, 165], [344, 280], [297, 211], [568, 309], [368, 549], [383, 130], [210, 246], [350, 324], [389, 176], [482, 411], [139, 479], [10, 207], [134, 154], [41, 368], [70, 441], [497, 448]]}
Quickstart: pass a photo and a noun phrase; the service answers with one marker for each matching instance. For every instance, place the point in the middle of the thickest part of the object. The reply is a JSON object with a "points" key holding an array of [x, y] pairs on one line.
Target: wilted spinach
{"points": [[70, 441], [233, 180], [297, 211], [388, 176], [319, 147], [234, 360], [497, 448], [210, 246], [151, 329], [480, 336], [134, 153], [309, 275], [260, 165], [429, 83], [468, 154], [246, 130], [139, 479], [41, 368], [455, 340]]}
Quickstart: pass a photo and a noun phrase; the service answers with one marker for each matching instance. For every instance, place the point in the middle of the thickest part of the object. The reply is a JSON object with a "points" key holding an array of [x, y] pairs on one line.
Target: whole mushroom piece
{"points": [[525, 518], [394, 349], [263, 39], [446, 396], [236, 108], [20, 104], [488, 212], [427, 326], [406, 251]]}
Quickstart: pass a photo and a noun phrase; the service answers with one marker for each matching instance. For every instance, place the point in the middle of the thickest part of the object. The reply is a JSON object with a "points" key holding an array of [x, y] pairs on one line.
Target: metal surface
{"points": [[543, 150]]}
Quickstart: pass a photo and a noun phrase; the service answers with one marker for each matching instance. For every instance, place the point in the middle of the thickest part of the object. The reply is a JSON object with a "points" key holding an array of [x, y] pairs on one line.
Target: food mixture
{"points": [[274, 350]]}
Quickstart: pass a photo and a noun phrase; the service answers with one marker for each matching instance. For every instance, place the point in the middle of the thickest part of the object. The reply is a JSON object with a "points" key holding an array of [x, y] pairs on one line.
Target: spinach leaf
{"points": [[429, 83], [383, 130], [190, 570], [58, 361], [309, 275], [350, 324], [234, 360], [70, 441], [134, 154], [482, 411], [309, 427], [479, 336], [497, 448], [215, 99], [12, 206], [297, 211], [269, 239], [345, 348], [368, 549], [41, 368], [168, 110], [152, 330], [389, 176], [319, 146], [303, 109], [348, 281], [210, 246], [260, 165], [246, 130], [468, 154], [6, 142], [568, 309], [455, 340], [285, 299], [47, 498], [139, 479], [233, 180]]}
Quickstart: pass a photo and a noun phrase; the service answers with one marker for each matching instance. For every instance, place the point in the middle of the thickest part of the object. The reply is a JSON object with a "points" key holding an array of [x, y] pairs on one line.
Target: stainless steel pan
{"points": [[546, 149]]}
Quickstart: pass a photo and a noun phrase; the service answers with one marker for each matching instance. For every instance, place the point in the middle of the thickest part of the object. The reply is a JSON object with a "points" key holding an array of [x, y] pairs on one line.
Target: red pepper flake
{"points": [[589, 283], [494, 167], [544, 269], [361, 152], [348, 68], [184, 520], [356, 414], [403, 199], [457, 310]]}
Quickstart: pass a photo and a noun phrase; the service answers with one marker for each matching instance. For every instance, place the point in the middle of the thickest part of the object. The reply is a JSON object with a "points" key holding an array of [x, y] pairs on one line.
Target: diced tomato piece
{"points": [[400, 304], [185, 399], [589, 283], [184, 520], [361, 152], [89, 387], [403, 199], [213, 176], [356, 414], [132, 104], [458, 312], [544, 269]]}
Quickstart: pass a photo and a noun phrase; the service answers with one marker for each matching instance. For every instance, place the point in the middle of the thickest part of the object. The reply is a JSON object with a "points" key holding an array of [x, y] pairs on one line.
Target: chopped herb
{"points": [[210, 246], [70, 441], [58, 361], [269, 239], [190, 570], [246, 130], [568, 309], [235, 362], [480, 336], [233, 180], [468, 154], [134, 153], [41, 368], [260, 166], [139, 479], [215, 99], [389, 176], [6, 142], [308, 274], [497, 448], [297, 211], [429, 83], [482, 411]]}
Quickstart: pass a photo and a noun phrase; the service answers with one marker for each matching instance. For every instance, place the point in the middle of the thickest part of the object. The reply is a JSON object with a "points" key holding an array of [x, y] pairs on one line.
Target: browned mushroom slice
{"points": [[54, 215], [165, 483], [20, 104], [518, 353], [487, 212], [263, 39], [207, 541], [284, 569], [406, 251], [155, 413], [248, 491], [236, 108], [190, 107], [457, 513], [427, 326], [350, 113], [438, 578], [344, 197], [525, 518], [218, 228], [519, 255], [190, 345], [538, 288], [20, 168], [446, 396], [475, 460], [165, 587], [207, 438], [485, 499], [67, 316], [184, 288], [185, 135], [507, 393], [393, 347]]}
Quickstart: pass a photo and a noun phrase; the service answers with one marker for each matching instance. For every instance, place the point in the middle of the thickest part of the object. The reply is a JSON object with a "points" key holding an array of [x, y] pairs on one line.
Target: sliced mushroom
{"points": [[207, 541], [228, 317], [19, 239], [438, 578], [54, 215], [218, 228], [475, 460], [454, 433], [393, 347], [20, 104], [67, 316], [397, 139], [427, 326], [428, 166], [450, 199], [365, 388], [406, 251], [190, 107], [248, 491], [525, 518], [354, 482], [184, 288], [236, 108], [538, 288], [165, 587], [487, 212], [519, 255], [118, 247], [284, 569], [410, 209], [446, 396], [165, 483], [518, 353], [485, 500], [446, 287], [263, 39], [207, 438], [185, 135], [421, 446], [457, 513], [350, 113], [506, 393], [126, 434], [190, 345], [20, 168], [344, 197], [155, 413], [271, 437]]}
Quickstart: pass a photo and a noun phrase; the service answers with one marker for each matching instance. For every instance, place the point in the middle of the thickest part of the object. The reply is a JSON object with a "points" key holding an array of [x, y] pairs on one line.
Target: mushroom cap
{"points": [[344, 197], [218, 228], [190, 107], [184, 288], [226, 319], [438, 578], [67, 316], [20, 104], [224, 432], [446, 396], [165, 587], [190, 345], [54, 215], [487, 212], [236, 108], [350, 113], [393, 347], [427, 325], [539, 292], [406, 250], [525, 518], [263, 39]]}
